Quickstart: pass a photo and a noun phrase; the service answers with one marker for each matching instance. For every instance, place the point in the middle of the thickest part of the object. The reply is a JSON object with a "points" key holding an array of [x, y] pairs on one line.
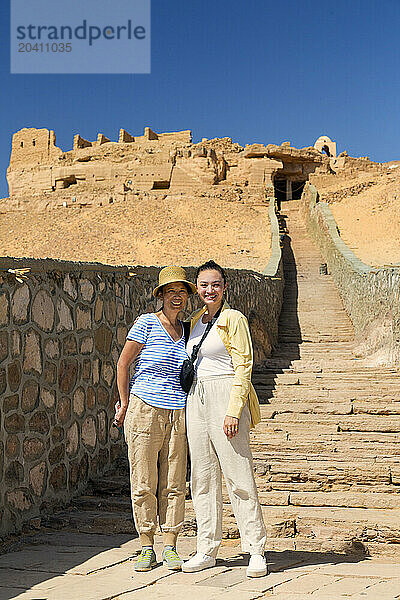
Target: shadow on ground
{"points": [[289, 331], [289, 559]]}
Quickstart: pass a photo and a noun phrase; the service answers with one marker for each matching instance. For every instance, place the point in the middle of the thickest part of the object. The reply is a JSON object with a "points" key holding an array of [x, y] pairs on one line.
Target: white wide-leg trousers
{"points": [[211, 455]]}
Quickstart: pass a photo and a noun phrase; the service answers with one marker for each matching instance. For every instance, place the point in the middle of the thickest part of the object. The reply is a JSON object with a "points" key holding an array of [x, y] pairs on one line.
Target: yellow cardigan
{"points": [[233, 329]]}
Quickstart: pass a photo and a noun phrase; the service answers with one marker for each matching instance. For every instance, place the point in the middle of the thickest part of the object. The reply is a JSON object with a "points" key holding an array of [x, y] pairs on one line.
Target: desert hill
{"points": [[154, 229], [366, 206]]}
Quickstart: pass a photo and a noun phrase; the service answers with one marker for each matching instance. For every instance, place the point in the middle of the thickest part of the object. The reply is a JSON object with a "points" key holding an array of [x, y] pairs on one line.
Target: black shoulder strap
{"points": [[186, 330], [196, 348]]}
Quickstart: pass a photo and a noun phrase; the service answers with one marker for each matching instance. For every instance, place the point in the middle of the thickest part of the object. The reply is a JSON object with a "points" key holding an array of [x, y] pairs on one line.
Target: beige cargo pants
{"points": [[156, 439], [211, 453]]}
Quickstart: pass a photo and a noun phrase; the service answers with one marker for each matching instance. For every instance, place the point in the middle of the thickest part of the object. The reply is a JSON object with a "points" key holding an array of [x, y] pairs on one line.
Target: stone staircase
{"points": [[327, 452]]}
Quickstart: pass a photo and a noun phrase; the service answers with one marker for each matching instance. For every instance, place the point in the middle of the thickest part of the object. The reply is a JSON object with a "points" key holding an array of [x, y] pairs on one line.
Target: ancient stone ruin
{"points": [[104, 170]]}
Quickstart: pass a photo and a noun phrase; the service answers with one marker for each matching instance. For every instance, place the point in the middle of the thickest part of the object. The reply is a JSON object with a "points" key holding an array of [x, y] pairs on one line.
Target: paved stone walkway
{"points": [[66, 565]]}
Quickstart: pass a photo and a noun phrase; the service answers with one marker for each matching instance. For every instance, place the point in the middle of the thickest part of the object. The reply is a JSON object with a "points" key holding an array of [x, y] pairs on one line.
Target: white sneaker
{"points": [[198, 562], [257, 566]]}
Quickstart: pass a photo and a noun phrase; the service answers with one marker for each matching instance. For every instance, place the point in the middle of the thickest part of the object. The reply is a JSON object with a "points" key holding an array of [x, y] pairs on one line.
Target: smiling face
{"points": [[175, 295], [210, 287]]}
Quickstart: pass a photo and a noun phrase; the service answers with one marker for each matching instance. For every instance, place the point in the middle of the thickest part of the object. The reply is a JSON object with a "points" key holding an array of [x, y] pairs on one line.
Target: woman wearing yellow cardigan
{"points": [[221, 407]]}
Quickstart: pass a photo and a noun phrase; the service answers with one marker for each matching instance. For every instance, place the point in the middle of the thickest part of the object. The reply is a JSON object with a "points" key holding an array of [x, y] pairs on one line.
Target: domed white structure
{"points": [[325, 144]]}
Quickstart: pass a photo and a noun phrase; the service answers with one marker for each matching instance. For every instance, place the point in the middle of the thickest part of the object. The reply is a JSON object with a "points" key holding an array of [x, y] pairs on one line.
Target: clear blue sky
{"points": [[256, 71]]}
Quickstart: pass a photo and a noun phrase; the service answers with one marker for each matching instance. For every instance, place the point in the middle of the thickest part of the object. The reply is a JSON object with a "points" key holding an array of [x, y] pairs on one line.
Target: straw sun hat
{"points": [[171, 275]]}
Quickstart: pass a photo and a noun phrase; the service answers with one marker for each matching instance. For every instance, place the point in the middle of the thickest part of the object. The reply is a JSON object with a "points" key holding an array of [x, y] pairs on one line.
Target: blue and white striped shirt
{"points": [[156, 377]]}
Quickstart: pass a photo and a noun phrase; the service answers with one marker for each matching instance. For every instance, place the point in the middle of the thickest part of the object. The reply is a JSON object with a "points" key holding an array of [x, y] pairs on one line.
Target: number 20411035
{"points": [[44, 47]]}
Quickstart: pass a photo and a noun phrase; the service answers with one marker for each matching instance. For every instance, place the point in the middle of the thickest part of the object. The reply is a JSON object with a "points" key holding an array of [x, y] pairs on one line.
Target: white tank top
{"points": [[213, 358]]}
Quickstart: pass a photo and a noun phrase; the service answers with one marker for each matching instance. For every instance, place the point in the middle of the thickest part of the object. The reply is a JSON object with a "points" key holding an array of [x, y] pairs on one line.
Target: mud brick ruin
{"points": [[103, 171]]}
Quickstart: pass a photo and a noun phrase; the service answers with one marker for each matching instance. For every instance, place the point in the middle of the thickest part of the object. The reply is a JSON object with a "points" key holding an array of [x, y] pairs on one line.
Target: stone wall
{"points": [[370, 295], [34, 147], [62, 327]]}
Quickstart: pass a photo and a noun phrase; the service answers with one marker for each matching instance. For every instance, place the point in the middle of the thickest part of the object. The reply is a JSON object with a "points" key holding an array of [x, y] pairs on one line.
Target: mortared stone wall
{"points": [[370, 295]]}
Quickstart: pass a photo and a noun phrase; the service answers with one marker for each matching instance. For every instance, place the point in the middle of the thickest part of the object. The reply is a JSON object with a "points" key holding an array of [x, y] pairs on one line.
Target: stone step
{"points": [[389, 424], [294, 452], [336, 444], [335, 408], [107, 503], [111, 485], [326, 472], [287, 487], [377, 407], [298, 394], [308, 385], [351, 439], [367, 516], [324, 547], [273, 426], [312, 338], [327, 547], [306, 331], [273, 493], [290, 320], [293, 383], [353, 450], [326, 406], [366, 372], [349, 500], [313, 366], [295, 351], [289, 376], [277, 396], [93, 521], [338, 530]]}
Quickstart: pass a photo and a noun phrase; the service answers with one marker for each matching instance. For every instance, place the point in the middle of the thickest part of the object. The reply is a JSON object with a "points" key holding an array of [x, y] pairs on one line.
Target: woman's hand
{"points": [[231, 426], [119, 417]]}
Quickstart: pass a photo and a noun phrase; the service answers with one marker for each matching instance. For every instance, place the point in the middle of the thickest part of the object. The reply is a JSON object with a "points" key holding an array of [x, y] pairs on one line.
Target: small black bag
{"points": [[187, 372], [186, 375]]}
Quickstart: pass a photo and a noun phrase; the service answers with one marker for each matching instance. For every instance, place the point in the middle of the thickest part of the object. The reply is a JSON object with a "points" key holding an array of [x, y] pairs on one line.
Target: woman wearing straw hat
{"points": [[221, 407], [152, 409]]}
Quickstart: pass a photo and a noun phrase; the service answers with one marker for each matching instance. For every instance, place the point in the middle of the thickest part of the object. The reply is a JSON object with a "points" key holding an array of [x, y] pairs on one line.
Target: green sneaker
{"points": [[146, 560], [171, 558]]}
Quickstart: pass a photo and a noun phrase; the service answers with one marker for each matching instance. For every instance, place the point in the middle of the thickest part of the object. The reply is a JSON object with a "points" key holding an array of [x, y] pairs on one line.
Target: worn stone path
{"points": [[327, 451], [327, 467], [67, 565]]}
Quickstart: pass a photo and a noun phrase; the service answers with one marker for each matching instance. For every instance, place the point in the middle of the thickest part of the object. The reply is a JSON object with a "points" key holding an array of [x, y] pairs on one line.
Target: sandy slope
{"points": [[152, 230], [366, 207]]}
